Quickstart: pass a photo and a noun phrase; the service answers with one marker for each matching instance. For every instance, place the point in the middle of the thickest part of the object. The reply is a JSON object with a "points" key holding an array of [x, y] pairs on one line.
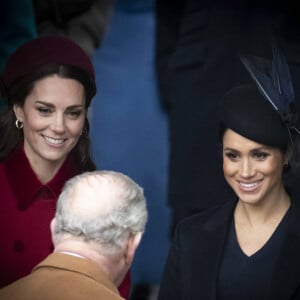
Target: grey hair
{"points": [[111, 228]]}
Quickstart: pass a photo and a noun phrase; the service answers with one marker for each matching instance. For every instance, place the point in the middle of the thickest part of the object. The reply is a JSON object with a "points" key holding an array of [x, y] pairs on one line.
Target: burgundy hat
{"points": [[42, 51]]}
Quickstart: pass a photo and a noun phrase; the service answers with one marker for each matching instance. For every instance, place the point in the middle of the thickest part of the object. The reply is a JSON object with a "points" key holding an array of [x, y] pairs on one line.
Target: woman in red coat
{"points": [[48, 84]]}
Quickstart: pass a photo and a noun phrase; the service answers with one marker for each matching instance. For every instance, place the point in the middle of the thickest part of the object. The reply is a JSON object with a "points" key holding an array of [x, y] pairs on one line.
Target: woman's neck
{"points": [[44, 169], [264, 212]]}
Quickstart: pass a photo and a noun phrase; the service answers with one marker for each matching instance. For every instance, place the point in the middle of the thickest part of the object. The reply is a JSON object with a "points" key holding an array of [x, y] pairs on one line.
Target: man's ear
{"points": [[132, 244], [52, 229]]}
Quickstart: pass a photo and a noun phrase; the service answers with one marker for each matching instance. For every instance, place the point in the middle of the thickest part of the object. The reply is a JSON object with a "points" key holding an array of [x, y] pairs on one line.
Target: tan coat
{"points": [[62, 276]]}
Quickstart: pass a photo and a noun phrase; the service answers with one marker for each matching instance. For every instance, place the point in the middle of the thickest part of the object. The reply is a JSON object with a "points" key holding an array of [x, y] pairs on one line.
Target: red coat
{"points": [[26, 209]]}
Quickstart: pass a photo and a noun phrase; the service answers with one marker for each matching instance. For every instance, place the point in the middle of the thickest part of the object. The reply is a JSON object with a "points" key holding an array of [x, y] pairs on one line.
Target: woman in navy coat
{"points": [[248, 248]]}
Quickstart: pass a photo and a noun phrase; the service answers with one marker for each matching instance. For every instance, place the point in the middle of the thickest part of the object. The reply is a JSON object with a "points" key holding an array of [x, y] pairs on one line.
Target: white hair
{"points": [[101, 206]]}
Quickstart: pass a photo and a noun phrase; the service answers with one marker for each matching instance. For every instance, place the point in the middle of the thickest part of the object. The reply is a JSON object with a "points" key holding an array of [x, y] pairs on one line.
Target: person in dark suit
{"points": [[98, 225], [248, 248], [197, 47]]}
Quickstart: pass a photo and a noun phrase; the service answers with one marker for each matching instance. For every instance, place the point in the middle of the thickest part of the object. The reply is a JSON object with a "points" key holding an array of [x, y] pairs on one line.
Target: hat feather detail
{"points": [[272, 78], [281, 77], [258, 69]]}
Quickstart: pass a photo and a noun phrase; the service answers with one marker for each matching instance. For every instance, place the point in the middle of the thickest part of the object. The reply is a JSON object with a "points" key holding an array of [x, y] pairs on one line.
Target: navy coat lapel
{"points": [[206, 251], [286, 278]]}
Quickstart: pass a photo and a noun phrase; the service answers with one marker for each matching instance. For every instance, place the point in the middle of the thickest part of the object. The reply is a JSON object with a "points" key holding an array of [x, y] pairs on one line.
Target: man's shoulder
{"points": [[75, 277], [50, 280]]}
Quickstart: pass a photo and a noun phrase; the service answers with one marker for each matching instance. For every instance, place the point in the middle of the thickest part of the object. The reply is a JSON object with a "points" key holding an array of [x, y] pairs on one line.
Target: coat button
{"points": [[18, 246]]}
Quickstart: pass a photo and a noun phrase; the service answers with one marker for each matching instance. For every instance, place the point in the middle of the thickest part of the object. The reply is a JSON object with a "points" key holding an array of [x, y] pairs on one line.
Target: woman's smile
{"points": [[249, 186], [54, 141]]}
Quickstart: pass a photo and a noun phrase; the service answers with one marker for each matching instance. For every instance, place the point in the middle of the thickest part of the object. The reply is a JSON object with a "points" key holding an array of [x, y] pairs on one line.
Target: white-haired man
{"points": [[98, 225]]}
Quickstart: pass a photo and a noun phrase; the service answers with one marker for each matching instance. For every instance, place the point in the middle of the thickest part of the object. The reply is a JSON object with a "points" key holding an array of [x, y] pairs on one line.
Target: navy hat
{"points": [[43, 51], [245, 110], [264, 111]]}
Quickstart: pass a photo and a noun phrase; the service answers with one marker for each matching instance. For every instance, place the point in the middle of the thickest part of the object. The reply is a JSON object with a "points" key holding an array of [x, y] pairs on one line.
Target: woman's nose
{"points": [[58, 123], [247, 169]]}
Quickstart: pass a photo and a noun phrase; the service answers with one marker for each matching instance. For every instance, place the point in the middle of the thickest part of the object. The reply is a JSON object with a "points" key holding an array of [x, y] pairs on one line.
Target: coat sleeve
{"points": [[296, 296], [170, 284]]}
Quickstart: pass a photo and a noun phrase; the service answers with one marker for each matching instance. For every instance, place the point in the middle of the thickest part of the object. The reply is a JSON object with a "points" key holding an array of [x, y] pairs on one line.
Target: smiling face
{"points": [[254, 171], [53, 117]]}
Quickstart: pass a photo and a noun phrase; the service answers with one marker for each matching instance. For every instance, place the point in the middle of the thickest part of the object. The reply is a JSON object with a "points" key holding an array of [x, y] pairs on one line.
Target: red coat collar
{"points": [[26, 185]]}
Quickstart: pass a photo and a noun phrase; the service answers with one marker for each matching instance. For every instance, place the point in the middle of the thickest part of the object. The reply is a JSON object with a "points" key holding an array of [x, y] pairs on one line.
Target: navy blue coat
{"points": [[192, 267]]}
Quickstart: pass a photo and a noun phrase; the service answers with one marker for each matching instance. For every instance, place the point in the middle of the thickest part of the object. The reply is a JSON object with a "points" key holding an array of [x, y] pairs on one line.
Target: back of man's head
{"points": [[102, 208]]}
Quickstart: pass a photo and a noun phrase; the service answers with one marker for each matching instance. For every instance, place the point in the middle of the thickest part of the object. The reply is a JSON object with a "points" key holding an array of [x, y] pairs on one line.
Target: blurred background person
{"points": [[17, 26], [129, 128], [83, 21]]}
